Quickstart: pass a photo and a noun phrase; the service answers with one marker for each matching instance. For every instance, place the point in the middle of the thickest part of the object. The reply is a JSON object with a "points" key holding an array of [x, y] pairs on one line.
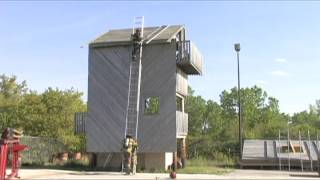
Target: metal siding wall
{"points": [[107, 98], [157, 133]]}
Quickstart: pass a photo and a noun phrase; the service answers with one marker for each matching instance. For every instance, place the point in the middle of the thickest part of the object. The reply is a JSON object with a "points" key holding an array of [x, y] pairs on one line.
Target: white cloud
{"points": [[280, 73], [281, 60], [262, 82]]}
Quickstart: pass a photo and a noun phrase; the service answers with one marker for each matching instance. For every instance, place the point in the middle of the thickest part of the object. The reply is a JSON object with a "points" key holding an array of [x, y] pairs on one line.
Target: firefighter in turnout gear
{"points": [[137, 40], [129, 150]]}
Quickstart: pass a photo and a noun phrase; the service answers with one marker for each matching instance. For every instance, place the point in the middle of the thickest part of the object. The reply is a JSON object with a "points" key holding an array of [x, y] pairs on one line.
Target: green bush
{"points": [[41, 150]]}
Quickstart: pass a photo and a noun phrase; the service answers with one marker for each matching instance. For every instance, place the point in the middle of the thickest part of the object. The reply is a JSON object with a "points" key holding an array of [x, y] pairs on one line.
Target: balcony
{"points": [[189, 58], [182, 123], [182, 83]]}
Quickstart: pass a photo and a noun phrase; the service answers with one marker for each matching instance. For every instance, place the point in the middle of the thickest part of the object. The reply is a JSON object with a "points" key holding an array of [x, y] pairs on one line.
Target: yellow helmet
{"points": [[17, 133]]}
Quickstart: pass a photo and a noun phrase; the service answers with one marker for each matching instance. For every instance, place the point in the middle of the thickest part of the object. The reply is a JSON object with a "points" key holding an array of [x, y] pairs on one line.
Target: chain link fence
{"points": [[217, 152], [41, 149]]}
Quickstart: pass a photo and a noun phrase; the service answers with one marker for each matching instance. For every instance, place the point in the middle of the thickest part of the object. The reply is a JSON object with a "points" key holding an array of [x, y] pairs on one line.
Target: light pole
{"points": [[289, 122], [237, 49]]}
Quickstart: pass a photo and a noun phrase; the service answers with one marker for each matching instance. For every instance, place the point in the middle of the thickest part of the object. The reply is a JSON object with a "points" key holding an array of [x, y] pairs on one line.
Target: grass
{"points": [[204, 170], [205, 166]]}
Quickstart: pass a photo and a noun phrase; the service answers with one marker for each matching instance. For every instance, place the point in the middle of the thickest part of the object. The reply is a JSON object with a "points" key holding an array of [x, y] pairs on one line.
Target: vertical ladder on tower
{"points": [[132, 114]]}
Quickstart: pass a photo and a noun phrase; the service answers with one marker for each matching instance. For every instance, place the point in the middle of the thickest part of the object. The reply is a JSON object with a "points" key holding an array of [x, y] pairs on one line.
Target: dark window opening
{"points": [[285, 149], [297, 149], [179, 102]]}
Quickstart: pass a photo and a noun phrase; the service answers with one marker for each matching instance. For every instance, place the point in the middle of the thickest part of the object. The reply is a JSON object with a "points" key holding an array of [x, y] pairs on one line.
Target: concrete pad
{"points": [[237, 174]]}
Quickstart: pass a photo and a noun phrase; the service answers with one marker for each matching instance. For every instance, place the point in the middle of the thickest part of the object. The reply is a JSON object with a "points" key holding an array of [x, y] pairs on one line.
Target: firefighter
{"points": [[136, 38], [129, 149], [134, 156], [17, 133]]}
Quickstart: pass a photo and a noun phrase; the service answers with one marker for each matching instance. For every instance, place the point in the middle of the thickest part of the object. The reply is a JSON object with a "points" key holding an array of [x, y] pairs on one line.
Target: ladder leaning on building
{"points": [[132, 113]]}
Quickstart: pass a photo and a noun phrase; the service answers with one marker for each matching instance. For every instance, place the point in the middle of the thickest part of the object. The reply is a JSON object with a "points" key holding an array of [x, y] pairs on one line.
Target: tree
{"points": [[213, 126], [60, 109], [11, 93], [48, 114], [307, 120], [258, 111], [195, 107]]}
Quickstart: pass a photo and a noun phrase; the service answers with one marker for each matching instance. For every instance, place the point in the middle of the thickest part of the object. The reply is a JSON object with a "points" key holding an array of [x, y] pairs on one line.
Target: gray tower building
{"points": [[163, 124]]}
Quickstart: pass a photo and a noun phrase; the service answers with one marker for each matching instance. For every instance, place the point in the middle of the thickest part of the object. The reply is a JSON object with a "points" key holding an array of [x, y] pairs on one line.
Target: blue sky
{"points": [[40, 42]]}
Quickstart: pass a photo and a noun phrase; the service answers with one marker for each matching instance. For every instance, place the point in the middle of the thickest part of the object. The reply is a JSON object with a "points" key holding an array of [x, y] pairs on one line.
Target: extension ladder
{"points": [[132, 113]]}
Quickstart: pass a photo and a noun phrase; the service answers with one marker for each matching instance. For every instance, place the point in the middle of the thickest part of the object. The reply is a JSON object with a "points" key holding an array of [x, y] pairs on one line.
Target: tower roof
{"points": [[158, 34]]}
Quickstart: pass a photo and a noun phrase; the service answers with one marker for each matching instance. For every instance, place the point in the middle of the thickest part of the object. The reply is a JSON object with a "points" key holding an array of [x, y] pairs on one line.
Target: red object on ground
{"points": [[173, 174], [3, 160], [5, 147]]}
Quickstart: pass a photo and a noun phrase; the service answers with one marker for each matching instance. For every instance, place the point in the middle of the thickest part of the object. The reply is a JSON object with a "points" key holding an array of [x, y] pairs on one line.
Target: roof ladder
{"points": [[132, 114]]}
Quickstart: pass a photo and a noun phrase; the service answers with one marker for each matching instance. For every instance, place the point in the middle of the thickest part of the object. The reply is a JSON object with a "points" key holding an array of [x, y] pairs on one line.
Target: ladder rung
{"points": [[133, 100], [134, 80]]}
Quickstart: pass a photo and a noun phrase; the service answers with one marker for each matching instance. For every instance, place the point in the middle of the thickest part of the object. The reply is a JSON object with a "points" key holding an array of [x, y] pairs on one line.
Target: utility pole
{"points": [[279, 152], [289, 145], [237, 49]]}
